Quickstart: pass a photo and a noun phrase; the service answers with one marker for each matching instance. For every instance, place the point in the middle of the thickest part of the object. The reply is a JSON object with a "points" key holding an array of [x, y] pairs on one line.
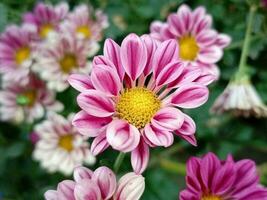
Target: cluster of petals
{"points": [[201, 45], [100, 184], [240, 98], [209, 178], [138, 65], [59, 146], [27, 100]]}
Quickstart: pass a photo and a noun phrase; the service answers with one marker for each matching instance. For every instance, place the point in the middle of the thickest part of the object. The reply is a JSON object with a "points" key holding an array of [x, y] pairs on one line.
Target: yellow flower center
{"points": [[66, 142], [22, 54], [85, 31], [27, 98], [188, 48], [137, 106], [210, 197], [45, 29], [68, 62]]}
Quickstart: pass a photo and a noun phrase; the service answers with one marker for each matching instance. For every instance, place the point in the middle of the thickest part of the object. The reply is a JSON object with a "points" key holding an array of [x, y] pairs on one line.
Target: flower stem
{"points": [[118, 162], [246, 46]]}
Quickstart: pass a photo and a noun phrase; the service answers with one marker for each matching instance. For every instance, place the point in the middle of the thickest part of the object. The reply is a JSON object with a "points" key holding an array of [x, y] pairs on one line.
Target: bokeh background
{"points": [[22, 178]]}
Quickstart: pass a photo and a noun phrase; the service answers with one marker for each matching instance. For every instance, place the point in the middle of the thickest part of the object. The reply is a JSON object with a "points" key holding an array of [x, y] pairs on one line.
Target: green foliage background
{"points": [[22, 178]]}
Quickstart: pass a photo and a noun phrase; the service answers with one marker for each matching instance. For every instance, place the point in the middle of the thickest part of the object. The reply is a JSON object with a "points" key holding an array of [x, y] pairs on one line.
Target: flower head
{"points": [[85, 23], [55, 62], [16, 53], [27, 102], [241, 98], [131, 99], [60, 147], [45, 19], [200, 45], [208, 178], [97, 185]]}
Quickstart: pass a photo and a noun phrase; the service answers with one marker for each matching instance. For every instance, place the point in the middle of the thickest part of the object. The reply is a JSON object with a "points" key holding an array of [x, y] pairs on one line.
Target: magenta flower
{"points": [[98, 185], [15, 53], [264, 3], [130, 102], [27, 102], [45, 19], [200, 45], [60, 147], [208, 178]]}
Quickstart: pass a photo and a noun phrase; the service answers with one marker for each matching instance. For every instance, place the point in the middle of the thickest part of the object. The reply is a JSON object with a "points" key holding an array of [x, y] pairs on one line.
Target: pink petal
{"points": [[190, 96], [65, 190], [188, 195], [140, 157], [133, 56], [106, 80], [151, 48], [202, 24], [176, 25], [189, 138], [89, 125], [80, 82], [81, 173], [169, 73], [87, 190], [112, 52], [166, 53], [158, 137], [99, 144], [168, 119], [96, 103], [51, 195], [210, 55], [206, 38], [223, 40], [184, 14], [193, 178], [122, 136], [106, 180], [207, 77], [188, 127], [102, 60]]}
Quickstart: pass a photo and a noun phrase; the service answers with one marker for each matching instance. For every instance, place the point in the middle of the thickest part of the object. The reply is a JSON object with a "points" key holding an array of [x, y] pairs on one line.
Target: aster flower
{"points": [[15, 53], [27, 102], [131, 99], [200, 45], [60, 147], [86, 23], [241, 98], [45, 19], [55, 62], [98, 185], [208, 178]]}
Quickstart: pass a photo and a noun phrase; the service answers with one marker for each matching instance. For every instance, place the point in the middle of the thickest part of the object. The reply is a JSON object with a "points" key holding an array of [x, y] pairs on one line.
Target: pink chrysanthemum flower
{"points": [[98, 185], [15, 53], [60, 147], [27, 102], [131, 100], [208, 178], [45, 19], [85, 23], [200, 45], [55, 62]]}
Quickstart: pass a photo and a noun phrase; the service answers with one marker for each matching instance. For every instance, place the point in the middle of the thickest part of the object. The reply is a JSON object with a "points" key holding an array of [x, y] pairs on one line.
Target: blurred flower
{"points": [[15, 53], [86, 24], [20, 102], [97, 185], [60, 147], [119, 21], [55, 62], [199, 44], [131, 99], [45, 19], [240, 98], [264, 3], [34, 137], [208, 178]]}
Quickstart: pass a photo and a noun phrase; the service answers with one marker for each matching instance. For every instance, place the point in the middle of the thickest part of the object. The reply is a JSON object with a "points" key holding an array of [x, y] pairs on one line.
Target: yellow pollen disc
{"points": [[137, 106], [27, 98], [68, 62], [22, 55], [85, 31], [66, 142], [45, 29], [188, 48], [211, 197]]}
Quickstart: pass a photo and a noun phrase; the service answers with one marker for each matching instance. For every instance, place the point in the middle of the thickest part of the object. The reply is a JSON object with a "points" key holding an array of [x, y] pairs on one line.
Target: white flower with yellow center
{"points": [[60, 147]]}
